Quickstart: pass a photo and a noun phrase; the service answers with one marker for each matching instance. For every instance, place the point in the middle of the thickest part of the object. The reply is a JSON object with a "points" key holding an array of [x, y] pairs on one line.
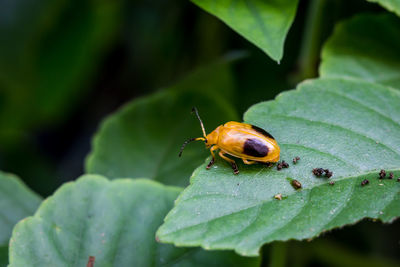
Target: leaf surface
{"points": [[114, 221], [264, 23], [144, 137], [391, 5], [366, 47], [16, 202], [349, 127]]}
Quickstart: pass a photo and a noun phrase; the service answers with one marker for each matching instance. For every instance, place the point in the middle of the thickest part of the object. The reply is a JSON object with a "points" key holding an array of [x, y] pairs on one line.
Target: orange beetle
{"points": [[248, 142]]}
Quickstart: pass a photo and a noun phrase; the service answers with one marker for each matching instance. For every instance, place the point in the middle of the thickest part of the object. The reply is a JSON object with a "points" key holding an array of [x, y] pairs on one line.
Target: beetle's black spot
{"points": [[262, 131], [254, 147]]}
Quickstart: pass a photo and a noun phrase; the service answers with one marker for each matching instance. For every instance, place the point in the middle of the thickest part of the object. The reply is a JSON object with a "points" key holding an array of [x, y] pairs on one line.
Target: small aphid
{"points": [[382, 174], [398, 179], [296, 184], [296, 159], [318, 171], [332, 182], [364, 182], [328, 173], [279, 166], [391, 175], [285, 164], [278, 196], [282, 165]]}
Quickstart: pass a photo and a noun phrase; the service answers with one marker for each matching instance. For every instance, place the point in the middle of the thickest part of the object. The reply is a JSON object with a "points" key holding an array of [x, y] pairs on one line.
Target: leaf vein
{"points": [[340, 128]]}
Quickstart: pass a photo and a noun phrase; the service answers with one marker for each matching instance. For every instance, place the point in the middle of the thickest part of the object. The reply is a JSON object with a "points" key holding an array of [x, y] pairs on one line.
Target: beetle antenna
{"points": [[194, 109], [188, 141]]}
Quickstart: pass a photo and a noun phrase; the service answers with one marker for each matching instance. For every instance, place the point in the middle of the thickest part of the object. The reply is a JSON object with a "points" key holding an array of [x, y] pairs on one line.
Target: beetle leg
{"points": [[231, 161], [213, 157], [249, 161]]}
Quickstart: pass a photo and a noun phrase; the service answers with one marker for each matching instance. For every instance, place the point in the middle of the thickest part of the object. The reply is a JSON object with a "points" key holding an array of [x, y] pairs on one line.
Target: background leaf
{"points": [[349, 127], [48, 55], [3, 256], [366, 47], [113, 221], [391, 5], [16, 202], [264, 23], [144, 137]]}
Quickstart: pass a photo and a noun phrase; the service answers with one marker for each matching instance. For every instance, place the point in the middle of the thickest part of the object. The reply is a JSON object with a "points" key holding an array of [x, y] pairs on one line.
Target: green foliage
{"points": [[17, 202], [3, 256], [113, 221], [51, 50], [143, 138], [347, 121], [366, 47], [391, 5], [264, 23], [330, 123]]}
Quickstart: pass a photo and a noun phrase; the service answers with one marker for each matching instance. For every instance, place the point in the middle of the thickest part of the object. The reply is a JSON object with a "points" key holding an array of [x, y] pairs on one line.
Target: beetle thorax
{"points": [[212, 138]]}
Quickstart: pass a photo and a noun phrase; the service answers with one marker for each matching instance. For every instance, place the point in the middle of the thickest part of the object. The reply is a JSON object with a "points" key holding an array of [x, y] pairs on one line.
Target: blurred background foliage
{"points": [[65, 65]]}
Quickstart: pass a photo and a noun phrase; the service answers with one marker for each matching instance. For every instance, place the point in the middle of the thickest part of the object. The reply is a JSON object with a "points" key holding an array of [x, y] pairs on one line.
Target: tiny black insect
{"points": [[364, 182], [318, 171], [281, 165], [382, 174], [296, 159], [328, 173], [391, 175], [285, 164]]}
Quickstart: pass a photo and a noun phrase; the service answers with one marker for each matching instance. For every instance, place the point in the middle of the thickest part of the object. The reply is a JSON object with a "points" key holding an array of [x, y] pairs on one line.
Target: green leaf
{"points": [[366, 47], [391, 5], [264, 23], [113, 221], [144, 137], [17, 202], [350, 127]]}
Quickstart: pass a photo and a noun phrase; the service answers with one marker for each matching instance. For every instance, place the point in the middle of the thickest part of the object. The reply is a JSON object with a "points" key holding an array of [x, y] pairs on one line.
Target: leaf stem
{"points": [[278, 254], [311, 43]]}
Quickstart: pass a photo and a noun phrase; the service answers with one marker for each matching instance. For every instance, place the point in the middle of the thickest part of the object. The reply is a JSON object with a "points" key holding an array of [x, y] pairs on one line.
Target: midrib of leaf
{"points": [[319, 151], [267, 236], [340, 127], [257, 17]]}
